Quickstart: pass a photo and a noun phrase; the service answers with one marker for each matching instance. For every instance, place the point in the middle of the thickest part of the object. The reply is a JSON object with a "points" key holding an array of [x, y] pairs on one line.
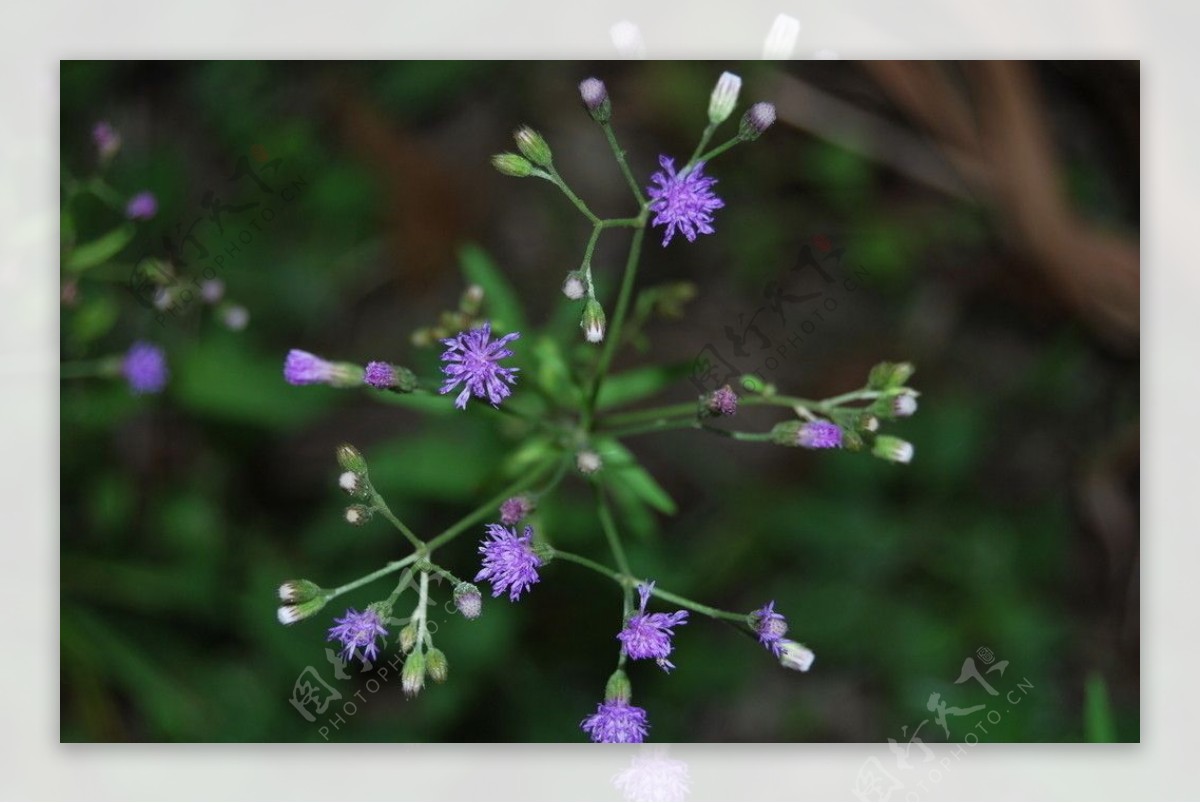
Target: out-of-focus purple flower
{"points": [[819, 435], [145, 368], [211, 290], [357, 632], [648, 635], [303, 368], [380, 375], [473, 359], [683, 202], [771, 627], [514, 509], [142, 206], [723, 401], [107, 140], [509, 561], [617, 722]]}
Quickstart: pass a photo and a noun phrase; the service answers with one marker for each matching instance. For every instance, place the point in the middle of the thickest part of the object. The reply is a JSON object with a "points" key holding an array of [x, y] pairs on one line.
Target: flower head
{"points": [[303, 368], [357, 632], [142, 206], [757, 119], [617, 722], [683, 202], [106, 139], [509, 561], [473, 359], [145, 368], [723, 401], [819, 435], [770, 627], [514, 509], [648, 635], [467, 600], [379, 375], [595, 99]]}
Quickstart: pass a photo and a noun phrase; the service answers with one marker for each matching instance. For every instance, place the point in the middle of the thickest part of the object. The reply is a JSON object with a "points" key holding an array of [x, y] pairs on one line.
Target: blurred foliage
{"points": [[182, 513]]}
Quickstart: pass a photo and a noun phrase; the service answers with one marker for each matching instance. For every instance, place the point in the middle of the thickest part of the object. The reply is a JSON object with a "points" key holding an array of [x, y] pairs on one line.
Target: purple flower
{"points": [[514, 509], [107, 140], [683, 202], [303, 368], [770, 627], [723, 401], [509, 561], [617, 722], [145, 368], [357, 632], [819, 435], [142, 206], [648, 635], [472, 358], [380, 375]]}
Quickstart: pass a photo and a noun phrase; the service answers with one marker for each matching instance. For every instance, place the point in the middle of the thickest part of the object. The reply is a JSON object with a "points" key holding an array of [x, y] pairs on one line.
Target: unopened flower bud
{"points": [[887, 375], [724, 98], [593, 322], [412, 676], [755, 121], [295, 611], [408, 637], [618, 688], [722, 401], [472, 299], [894, 449], [351, 459], [515, 508], [595, 99], [532, 146], [351, 482], [819, 435], [868, 422], [588, 462], [574, 286], [904, 405], [468, 600], [793, 655], [298, 591], [510, 164], [358, 515], [436, 665]]}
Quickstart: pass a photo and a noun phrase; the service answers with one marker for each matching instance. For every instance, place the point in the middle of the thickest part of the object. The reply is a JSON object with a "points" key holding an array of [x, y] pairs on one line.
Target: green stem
{"points": [[575, 199], [405, 579], [614, 332], [717, 151], [614, 543], [636, 416], [79, 369], [704, 138], [382, 507], [488, 507], [629, 581], [555, 480], [375, 575], [620, 155]]}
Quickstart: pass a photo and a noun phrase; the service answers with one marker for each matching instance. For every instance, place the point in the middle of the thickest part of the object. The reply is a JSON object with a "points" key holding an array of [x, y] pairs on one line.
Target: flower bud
{"points": [[351, 482], [722, 401], [887, 375], [894, 449], [904, 405], [358, 515], [471, 301], [298, 591], [593, 322], [595, 99], [793, 655], [408, 637], [868, 423], [724, 98], [351, 459], [532, 146], [819, 435], [294, 612], [575, 285], [588, 462], [412, 676], [515, 508], [755, 121], [510, 164], [618, 688], [436, 665], [468, 600]]}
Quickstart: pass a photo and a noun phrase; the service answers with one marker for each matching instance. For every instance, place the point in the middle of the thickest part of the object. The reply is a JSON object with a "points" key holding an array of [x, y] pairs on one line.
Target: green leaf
{"points": [[94, 319], [552, 373], [643, 484], [1098, 724], [100, 250], [640, 383], [499, 297]]}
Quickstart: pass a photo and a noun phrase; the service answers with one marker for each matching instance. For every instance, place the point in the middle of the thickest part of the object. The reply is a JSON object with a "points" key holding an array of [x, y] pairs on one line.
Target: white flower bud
{"points": [[793, 655], [573, 286], [724, 98]]}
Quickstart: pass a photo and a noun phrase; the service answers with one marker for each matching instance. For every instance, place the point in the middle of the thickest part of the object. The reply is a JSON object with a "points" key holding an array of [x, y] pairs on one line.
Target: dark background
{"points": [[993, 208]]}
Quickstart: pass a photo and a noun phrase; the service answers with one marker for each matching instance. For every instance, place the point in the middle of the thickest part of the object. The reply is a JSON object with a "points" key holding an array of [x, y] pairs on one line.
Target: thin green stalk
{"points": [[79, 369], [614, 332], [575, 199], [403, 583], [614, 543], [717, 151], [488, 507], [704, 138], [559, 473], [375, 575], [636, 416], [380, 505], [658, 425], [620, 156]]}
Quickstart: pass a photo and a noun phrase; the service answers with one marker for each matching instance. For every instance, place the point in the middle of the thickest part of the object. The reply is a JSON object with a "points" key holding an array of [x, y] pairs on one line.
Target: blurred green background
{"points": [[1015, 528]]}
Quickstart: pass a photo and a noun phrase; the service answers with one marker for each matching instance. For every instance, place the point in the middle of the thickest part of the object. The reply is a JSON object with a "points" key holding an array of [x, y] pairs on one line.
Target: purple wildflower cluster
{"points": [[648, 635], [683, 201], [145, 368], [357, 633], [473, 359], [617, 722], [509, 562]]}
